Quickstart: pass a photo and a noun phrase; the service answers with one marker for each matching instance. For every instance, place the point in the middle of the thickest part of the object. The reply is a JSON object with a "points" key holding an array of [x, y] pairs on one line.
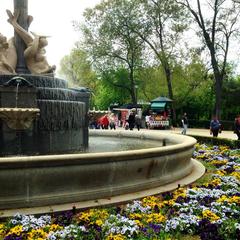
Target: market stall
{"points": [[160, 113]]}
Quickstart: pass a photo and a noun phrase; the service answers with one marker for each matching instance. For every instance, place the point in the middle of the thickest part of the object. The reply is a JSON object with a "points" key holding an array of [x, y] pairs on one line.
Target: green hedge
{"points": [[193, 123], [217, 141]]}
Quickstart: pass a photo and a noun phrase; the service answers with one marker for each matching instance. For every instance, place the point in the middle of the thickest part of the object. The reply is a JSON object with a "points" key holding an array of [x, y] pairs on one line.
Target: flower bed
{"points": [[208, 209]]}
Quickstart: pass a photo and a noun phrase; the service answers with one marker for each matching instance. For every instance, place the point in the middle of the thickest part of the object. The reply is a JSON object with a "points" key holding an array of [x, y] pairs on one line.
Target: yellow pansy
{"points": [[93, 216], [135, 216], [210, 215], [150, 201], [215, 182], [155, 218], [220, 172], [55, 227], [169, 202], [138, 223], [38, 234], [219, 162], [99, 222], [115, 237], [15, 230], [223, 198], [236, 175], [235, 199], [180, 192]]}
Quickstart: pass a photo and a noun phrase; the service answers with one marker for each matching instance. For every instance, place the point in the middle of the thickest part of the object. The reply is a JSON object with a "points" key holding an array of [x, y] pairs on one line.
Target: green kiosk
{"points": [[160, 112]]}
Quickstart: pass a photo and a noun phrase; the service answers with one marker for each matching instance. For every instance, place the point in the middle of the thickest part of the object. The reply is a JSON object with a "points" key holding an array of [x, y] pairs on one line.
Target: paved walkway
{"points": [[199, 132], [206, 132]]}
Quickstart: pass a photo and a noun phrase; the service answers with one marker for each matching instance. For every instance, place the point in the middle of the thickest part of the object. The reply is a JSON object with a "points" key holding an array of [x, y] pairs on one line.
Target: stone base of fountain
{"points": [[62, 125], [44, 181]]}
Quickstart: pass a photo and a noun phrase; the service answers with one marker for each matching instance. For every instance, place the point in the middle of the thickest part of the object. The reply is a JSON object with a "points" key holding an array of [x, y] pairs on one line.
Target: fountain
{"points": [[39, 113], [41, 117], [14, 117]]}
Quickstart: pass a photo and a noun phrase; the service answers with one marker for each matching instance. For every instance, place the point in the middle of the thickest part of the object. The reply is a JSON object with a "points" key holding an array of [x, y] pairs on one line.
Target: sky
{"points": [[54, 18], [51, 18]]}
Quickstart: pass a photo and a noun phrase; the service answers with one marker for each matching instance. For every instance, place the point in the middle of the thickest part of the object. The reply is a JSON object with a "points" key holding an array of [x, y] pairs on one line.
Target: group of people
{"points": [[111, 121], [105, 122], [132, 121], [215, 126]]}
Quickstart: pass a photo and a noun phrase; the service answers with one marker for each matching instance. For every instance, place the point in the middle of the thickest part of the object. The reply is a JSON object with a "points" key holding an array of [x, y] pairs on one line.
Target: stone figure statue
{"points": [[8, 56], [34, 53]]}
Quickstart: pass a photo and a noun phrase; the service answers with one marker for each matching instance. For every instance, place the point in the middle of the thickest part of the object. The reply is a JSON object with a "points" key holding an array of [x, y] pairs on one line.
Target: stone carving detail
{"points": [[19, 118], [8, 56], [35, 52]]}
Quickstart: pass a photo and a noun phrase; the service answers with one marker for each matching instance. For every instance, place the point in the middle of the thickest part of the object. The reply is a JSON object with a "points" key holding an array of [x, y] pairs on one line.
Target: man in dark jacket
{"points": [[131, 120], [215, 126]]}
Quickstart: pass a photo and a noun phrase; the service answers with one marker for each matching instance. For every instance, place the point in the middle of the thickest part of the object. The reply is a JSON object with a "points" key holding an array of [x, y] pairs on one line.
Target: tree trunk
{"points": [[132, 82], [170, 91], [218, 81], [218, 100]]}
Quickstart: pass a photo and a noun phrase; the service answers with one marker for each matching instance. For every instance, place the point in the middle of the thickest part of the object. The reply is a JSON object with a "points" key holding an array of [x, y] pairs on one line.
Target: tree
{"points": [[231, 95], [197, 93], [216, 30], [111, 43], [107, 92], [78, 69], [162, 23]]}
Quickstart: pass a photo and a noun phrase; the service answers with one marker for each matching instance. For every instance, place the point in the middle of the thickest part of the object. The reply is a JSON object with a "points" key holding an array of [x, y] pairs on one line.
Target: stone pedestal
{"points": [[62, 125]]}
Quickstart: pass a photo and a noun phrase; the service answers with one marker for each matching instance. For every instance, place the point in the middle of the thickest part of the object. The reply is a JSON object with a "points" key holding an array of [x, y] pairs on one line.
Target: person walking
{"points": [[237, 126], [215, 126], [184, 124], [112, 121], [138, 122], [131, 120], [147, 120], [104, 122]]}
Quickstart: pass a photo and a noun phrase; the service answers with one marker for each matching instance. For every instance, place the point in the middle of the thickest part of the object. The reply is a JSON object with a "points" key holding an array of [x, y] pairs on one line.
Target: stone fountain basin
{"points": [[19, 118], [32, 181]]}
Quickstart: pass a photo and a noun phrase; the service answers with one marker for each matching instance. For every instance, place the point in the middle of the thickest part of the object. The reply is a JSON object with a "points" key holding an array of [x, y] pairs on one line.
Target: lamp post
{"points": [[136, 92]]}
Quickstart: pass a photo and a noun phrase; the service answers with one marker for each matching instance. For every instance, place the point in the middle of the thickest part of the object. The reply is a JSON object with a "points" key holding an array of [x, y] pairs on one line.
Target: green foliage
{"points": [[231, 96], [111, 41], [133, 43], [217, 141], [228, 229], [153, 83], [108, 93], [206, 177], [77, 69], [216, 30], [193, 89]]}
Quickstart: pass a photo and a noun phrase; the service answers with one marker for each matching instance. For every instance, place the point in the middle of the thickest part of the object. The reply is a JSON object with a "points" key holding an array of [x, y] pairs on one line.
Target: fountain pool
{"points": [[41, 182]]}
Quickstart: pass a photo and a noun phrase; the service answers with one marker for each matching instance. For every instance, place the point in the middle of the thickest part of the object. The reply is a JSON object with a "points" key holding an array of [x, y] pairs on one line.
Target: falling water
{"points": [[17, 94]]}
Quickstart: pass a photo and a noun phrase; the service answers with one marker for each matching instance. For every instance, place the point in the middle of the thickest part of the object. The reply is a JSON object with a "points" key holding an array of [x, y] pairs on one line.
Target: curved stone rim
{"points": [[181, 142], [51, 180], [197, 172]]}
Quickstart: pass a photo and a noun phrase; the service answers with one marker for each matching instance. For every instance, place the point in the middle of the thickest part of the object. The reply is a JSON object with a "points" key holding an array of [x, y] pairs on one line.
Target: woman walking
{"points": [[237, 126]]}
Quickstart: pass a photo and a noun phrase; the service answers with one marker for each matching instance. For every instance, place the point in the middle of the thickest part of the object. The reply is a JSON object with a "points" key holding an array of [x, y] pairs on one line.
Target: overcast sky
{"points": [[52, 18]]}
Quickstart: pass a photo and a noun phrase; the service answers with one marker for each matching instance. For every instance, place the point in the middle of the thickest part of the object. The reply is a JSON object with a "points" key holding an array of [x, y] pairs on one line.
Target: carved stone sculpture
{"points": [[34, 53], [8, 55], [19, 118]]}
